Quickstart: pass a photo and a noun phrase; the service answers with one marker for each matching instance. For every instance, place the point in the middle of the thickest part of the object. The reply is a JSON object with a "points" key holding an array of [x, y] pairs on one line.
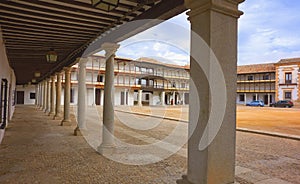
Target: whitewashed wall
{"points": [[27, 90]]}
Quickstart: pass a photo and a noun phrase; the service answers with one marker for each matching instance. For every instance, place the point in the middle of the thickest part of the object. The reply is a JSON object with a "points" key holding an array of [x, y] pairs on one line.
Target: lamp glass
{"points": [[51, 56], [106, 5]]}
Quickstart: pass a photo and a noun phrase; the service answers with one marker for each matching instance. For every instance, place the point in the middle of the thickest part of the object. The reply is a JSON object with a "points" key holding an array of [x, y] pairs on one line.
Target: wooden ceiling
{"points": [[31, 28]]}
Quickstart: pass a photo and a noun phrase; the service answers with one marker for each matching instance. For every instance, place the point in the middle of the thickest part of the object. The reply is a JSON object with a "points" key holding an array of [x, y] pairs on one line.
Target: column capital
{"points": [[82, 61], [58, 73], [227, 7], [110, 48], [67, 69], [53, 77]]}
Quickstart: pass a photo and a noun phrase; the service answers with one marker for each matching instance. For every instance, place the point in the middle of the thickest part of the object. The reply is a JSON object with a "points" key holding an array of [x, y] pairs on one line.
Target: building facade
{"points": [[165, 84], [269, 82], [137, 82]]}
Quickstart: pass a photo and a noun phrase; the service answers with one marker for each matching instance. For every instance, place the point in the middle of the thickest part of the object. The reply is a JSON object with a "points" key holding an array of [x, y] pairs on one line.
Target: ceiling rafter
{"points": [[45, 22], [68, 9], [47, 11], [8, 21], [49, 18], [7, 27], [47, 35]]}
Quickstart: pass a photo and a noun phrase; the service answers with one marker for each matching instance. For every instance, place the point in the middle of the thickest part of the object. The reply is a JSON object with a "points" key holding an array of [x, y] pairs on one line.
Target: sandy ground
{"points": [[36, 149], [279, 120]]}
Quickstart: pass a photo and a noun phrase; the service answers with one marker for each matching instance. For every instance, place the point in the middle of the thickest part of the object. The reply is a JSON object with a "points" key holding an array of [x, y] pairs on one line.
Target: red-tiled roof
{"points": [[289, 60], [256, 68]]}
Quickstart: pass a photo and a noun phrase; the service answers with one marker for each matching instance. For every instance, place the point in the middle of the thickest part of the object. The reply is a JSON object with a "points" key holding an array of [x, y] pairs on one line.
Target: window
{"points": [[288, 78], [173, 84], [100, 78], [182, 85], [72, 95], [147, 96], [32, 95], [250, 77], [266, 77], [288, 95], [143, 70], [242, 98]]}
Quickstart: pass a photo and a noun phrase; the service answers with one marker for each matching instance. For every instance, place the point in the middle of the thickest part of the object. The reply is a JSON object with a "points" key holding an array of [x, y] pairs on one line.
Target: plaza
{"points": [[37, 149]]}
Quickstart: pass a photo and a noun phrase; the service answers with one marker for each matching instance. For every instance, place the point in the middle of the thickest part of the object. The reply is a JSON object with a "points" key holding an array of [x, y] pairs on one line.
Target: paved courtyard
{"points": [[36, 149]]}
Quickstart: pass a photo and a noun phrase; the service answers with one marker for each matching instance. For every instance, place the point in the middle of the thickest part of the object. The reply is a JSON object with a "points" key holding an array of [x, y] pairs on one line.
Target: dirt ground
{"points": [[279, 120]]}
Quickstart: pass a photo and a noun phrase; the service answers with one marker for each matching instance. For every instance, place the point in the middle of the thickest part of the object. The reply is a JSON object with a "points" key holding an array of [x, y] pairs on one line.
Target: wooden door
{"points": [[20, 97], [98, 96]]}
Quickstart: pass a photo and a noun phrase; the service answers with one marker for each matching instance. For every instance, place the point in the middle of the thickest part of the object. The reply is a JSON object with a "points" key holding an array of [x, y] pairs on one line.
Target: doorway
{"points": [[98, 96], [20, 97], [3, 103]]}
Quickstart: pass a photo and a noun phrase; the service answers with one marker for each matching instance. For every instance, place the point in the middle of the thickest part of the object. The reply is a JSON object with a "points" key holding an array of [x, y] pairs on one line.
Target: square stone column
{"points": [[108, 109], [42, 96], [58, 111], [212, 112], [46, 97], [81, 107], [162, 98], [67, 92], [140, 96], [36, 95], [52, 96]]}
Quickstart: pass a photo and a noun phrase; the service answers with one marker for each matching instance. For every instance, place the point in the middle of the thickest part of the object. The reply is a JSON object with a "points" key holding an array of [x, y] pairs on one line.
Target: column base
{"points": [[80, 131], [183, 180], [57, 117], [51, 114], [66, 123], [106, 149]]}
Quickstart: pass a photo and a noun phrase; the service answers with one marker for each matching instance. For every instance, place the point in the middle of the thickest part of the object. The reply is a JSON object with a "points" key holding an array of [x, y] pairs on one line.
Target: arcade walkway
{"points": [[36, 149]]}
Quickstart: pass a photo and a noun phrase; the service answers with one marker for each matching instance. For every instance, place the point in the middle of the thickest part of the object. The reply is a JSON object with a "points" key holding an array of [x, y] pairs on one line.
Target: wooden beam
{"points": [[29, 20], [89, 7], [68, 9], [44, 40], [13, 22], [38, 34], [47, 11], [25, 29]]}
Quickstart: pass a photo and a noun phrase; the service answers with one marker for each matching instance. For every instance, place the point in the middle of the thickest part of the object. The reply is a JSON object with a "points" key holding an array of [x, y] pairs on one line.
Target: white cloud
{"points": [[269, 31]]}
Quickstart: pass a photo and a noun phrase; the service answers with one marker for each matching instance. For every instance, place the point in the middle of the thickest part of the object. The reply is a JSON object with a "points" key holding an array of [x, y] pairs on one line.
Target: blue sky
{"points": [[268, 31]]}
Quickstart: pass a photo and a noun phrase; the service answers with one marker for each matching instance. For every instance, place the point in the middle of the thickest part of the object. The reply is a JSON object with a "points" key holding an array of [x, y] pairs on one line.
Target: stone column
{"points": [[67, 121], [102, 97], [211, 148], [52, 96], [43, 95], [81, 108], [245, 98], [94, 96], [48, 100], [162, 98], [182, 98], [174, 98], [140, 95], [256, 96], [269, 100], [46, 108], [58, 110], [108, 108], [40, 95], [36, 95]]}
